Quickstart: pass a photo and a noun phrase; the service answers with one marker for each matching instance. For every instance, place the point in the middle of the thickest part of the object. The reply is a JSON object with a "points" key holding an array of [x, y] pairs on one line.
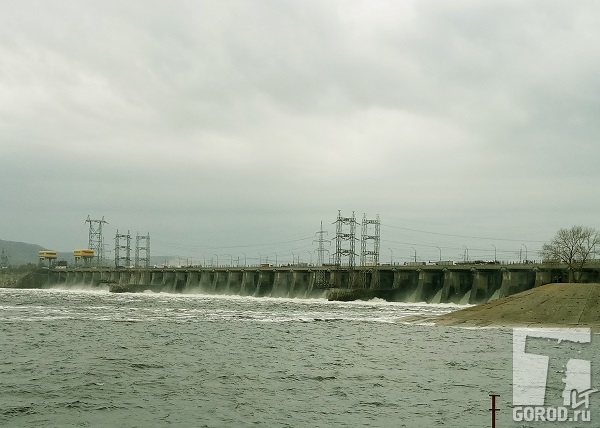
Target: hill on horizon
{"points": [[21, 253]]}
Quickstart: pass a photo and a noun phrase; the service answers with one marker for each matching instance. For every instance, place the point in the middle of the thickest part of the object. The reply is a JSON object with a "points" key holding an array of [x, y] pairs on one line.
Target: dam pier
{"points": [[464, 284]]}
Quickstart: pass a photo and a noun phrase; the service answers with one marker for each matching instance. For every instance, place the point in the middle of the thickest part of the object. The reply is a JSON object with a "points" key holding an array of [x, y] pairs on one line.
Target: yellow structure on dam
{"points": [[47, 255], [86, 254]]}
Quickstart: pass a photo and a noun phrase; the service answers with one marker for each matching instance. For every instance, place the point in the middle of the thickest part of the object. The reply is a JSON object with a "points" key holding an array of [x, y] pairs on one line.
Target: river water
{"points": [[72, 358]]}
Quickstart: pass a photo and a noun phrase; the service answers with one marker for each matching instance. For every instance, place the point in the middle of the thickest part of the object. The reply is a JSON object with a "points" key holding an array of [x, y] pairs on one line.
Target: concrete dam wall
{"points": [[432, 284], [244, 282]]}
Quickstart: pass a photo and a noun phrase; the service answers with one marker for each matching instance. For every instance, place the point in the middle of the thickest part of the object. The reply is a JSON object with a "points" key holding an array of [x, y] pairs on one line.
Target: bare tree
{"points": [[573, 247]]}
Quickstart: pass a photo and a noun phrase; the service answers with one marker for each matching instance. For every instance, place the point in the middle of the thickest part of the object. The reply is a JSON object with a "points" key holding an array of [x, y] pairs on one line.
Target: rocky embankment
{"points": [[550, 305], [9, 279], [19, 279]]}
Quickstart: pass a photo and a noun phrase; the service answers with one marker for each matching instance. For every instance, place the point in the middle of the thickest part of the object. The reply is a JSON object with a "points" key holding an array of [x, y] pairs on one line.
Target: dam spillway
{"points": [[464, 284]]}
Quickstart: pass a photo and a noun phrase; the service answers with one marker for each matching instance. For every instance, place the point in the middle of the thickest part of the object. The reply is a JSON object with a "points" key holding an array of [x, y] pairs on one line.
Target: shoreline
{"points": [[556, 305]]}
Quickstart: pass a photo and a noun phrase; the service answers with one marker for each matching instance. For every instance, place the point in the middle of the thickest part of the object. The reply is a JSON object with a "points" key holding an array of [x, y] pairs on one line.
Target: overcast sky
{"points": [[229, 127]]}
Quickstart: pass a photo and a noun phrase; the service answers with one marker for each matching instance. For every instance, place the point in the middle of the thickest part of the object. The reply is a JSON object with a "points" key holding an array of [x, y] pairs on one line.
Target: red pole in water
{"points": [[494, 409]]}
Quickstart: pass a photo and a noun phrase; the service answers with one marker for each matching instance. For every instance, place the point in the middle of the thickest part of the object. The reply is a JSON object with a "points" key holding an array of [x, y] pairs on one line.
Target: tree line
{"points": [[573, 247]]}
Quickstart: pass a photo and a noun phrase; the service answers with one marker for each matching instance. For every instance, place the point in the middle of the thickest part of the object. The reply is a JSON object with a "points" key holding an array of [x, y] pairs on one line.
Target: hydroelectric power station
{"points": [[465, 284], [340, 279]]}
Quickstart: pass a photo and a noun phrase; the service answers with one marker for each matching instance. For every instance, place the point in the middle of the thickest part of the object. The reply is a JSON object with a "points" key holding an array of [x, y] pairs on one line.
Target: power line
{"points": [[462, 236], [451, 247], [199, 247]]}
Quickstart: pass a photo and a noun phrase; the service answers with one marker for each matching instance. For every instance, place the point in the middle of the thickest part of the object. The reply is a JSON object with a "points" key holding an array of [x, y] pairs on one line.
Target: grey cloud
{"points": [[186, 115]]}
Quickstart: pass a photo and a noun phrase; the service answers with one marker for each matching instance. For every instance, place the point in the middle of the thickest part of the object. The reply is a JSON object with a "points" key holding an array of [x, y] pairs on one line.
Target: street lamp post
{"points": [[495, 258], [415, 254], [440, 253], [391, 256], [310, 255]]}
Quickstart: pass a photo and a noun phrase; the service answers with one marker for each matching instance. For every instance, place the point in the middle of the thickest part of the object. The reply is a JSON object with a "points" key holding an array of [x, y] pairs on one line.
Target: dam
{"points": [[464, 284]]}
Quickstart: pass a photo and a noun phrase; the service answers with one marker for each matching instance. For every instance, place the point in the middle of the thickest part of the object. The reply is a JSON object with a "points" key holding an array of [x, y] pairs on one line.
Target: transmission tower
{"points": [[142, 245], [96, 241], [321, 250], [345, 232], [369, 254], [122, 242], [320, 274]]}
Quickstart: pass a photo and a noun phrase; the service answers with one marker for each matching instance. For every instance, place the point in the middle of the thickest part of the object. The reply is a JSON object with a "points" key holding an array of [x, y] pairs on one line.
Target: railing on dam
{"points": [[434, 284]]}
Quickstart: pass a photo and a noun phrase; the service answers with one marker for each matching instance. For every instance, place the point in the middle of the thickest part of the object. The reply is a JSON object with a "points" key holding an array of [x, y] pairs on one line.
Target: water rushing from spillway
{"points": [[91, 358]]}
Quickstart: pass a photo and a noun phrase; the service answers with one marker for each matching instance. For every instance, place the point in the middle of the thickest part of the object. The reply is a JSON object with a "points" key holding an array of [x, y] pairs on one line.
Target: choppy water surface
{"points": [[91, 358]]}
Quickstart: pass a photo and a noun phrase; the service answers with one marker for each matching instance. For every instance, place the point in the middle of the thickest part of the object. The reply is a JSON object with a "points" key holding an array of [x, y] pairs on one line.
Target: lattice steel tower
{"points": [[142, 245], [96, 241], [321, 250], [345, 232], [320, 274], [370, 233], [122, 242]]}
